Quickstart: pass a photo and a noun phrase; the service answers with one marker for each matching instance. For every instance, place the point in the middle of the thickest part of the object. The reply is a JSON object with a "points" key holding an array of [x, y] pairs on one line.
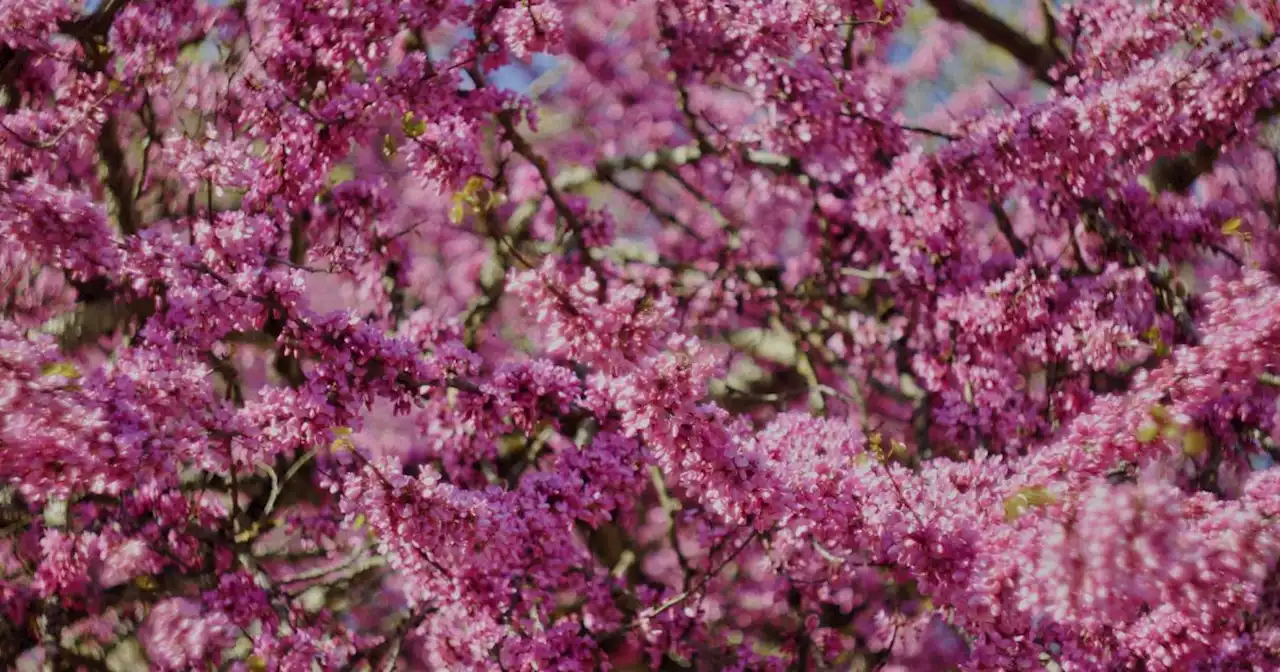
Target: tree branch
{"points": [[1037, 57]]}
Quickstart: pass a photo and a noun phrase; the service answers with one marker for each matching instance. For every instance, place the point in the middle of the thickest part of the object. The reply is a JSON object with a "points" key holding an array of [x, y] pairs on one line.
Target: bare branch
{"points": [[1037, 57]]}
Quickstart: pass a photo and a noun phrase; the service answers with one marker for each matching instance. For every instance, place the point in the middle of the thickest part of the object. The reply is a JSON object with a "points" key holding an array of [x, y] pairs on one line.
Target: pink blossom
{"points": [[639, 334]]}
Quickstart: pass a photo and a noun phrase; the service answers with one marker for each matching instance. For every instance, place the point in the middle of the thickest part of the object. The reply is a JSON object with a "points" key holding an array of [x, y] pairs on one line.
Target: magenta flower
{"points": [[639, 334]]}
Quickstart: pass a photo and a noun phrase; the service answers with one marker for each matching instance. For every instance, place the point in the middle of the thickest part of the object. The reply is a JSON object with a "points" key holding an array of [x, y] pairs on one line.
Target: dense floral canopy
{"points": [[639, 334]]}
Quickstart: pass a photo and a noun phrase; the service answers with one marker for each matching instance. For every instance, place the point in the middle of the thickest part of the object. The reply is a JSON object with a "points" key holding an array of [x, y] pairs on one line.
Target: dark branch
{"points": [[1039, 58]]}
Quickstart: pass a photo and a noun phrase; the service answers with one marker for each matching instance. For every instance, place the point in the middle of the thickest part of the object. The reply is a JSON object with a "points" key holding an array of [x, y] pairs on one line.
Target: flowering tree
{"points": [[760, 334]]}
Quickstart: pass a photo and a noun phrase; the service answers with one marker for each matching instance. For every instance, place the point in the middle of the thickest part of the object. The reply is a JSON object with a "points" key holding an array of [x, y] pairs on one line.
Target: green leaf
{"points": [[249, 534], [1147, 432], [63, 369], [1026, 498], [458, 212], [1195, 443], [474, 191], [413, 126], [342, 440]]}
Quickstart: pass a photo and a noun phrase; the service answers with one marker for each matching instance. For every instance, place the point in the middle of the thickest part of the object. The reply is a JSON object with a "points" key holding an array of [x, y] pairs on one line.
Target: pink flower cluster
{"points": [[639, 334]]}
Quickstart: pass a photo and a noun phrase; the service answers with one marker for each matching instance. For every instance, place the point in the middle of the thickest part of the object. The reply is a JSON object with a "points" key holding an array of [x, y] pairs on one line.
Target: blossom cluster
{"points": [[761, 335]]}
